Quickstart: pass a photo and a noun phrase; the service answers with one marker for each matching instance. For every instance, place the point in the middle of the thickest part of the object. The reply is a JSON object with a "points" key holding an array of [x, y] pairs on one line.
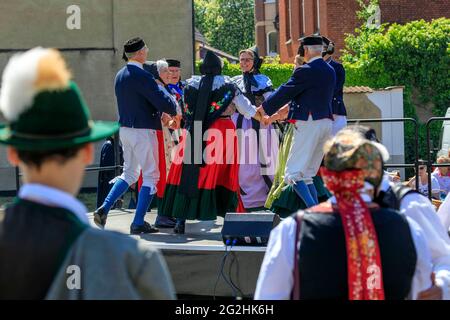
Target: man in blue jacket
{"points": [[140, 103], [309, 92], [339, 110]]}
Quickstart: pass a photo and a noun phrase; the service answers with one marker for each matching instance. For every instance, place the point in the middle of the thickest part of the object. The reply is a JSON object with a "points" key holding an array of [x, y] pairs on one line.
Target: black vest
{"points": [[34, 240], [323, 257]]}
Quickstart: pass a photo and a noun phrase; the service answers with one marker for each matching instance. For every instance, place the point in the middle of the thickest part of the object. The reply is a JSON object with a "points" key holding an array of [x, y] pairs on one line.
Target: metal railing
{"points": [[429, 151], [116, 167], [414, 165]]}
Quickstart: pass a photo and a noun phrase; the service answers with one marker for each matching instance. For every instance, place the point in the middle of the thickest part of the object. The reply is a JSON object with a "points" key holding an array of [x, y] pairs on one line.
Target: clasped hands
{"points": [[266, 120], [171, 122]]}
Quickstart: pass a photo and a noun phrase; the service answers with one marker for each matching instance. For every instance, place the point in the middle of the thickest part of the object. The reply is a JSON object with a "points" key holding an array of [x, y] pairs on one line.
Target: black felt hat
{"points": [[132, 45], [312, 40], [174, 63]]}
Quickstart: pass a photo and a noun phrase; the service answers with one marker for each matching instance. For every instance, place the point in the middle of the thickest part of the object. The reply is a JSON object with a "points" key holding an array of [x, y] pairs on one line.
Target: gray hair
{"points": [[130, 55], [161, 64], [315, 49]]}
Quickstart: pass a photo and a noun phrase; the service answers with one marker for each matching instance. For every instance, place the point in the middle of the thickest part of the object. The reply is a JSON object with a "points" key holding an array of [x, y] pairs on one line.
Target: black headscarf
{"points": [[150, 66], [249, 81], [193, 159], [249, 78], [328, 46]]}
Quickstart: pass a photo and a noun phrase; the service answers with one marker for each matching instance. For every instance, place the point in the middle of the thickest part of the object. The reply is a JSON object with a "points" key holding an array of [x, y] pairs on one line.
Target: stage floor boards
{"points": [[200, 235], [194, 259]]}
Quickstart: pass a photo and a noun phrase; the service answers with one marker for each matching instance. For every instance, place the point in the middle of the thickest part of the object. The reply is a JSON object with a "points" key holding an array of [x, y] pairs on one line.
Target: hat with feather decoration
{"points": [[43, 107]]}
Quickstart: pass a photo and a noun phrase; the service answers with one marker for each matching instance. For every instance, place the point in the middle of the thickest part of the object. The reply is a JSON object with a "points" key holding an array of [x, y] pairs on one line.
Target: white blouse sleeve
{"points": [[418, 208], [275, 280], [422, 275], [244, 106], [444, 212]]}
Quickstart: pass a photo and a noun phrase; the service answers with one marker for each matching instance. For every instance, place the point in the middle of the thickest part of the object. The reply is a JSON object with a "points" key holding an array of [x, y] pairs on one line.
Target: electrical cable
{"points": [[234, 257], [221, 266], [220, 273]]}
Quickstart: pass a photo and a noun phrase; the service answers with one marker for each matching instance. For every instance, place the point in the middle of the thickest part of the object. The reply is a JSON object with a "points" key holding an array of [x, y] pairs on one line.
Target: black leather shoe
{"points": [[100, 217], [145, 228], [164, 222], [179, 228]]}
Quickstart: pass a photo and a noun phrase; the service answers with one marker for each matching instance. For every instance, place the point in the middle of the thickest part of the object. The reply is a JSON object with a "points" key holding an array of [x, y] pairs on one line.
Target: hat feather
{"points": [[27, 74]]}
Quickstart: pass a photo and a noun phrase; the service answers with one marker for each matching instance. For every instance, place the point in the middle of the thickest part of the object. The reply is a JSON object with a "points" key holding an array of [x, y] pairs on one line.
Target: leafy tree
{"points": [[415, 55], [367, 9], [228, 25]]}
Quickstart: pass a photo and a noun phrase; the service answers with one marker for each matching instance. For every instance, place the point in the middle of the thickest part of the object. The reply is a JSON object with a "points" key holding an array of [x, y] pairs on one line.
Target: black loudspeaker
{"points": [[248, 229]]}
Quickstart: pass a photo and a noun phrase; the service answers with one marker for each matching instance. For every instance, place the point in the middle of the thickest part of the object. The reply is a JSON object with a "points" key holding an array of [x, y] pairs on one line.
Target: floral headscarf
{"points": [[349, 161]]}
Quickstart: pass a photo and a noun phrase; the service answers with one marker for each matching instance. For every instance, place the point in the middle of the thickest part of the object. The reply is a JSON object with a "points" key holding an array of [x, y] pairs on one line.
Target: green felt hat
{"points": [[55, 119]]}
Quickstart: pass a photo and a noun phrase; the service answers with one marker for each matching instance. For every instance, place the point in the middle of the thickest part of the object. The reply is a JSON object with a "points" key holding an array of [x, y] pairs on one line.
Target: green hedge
{"points": [[415, 55], [278, 73]]}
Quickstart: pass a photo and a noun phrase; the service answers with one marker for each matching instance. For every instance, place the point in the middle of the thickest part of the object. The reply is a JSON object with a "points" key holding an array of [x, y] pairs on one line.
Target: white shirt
{"points": [[444, 212], [419, 208], [435, 187], [55, 198], [275, 281]]}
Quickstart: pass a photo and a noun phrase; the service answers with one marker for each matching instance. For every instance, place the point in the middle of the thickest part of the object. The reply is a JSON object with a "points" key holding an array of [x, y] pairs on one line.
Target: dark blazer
{"points": [[309, 91], [139, 99], [338, 97]]}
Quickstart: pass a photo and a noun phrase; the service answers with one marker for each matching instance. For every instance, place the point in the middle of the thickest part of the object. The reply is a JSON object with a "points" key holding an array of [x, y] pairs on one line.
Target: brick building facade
{"points": [[266, 32], [335, 18]]}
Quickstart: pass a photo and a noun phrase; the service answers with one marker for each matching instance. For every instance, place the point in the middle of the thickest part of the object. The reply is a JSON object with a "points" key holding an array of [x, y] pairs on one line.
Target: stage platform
{"points": [[194, 259]]}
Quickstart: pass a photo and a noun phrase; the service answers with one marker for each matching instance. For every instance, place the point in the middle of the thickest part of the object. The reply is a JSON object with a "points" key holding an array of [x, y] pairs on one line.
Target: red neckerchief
{"points": [[365, 277]]}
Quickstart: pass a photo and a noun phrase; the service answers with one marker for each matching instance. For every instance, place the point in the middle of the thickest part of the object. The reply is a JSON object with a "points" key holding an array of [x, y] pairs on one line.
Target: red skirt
{"points": [[161, 185], [218, 179]]}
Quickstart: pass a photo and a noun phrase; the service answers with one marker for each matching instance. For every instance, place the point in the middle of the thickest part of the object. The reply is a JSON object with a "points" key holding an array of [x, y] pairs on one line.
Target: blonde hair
{"points": [[443, 159]]}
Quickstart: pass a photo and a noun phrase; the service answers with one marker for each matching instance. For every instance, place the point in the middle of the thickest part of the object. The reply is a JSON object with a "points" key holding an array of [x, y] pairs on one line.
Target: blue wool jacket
{"points": [[338, 97], [309, 91], [139, 99]]}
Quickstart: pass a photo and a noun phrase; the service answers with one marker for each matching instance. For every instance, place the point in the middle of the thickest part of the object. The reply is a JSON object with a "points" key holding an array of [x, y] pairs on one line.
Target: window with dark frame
{"points": [[288, 12], [317, 16], [301, 17]]}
